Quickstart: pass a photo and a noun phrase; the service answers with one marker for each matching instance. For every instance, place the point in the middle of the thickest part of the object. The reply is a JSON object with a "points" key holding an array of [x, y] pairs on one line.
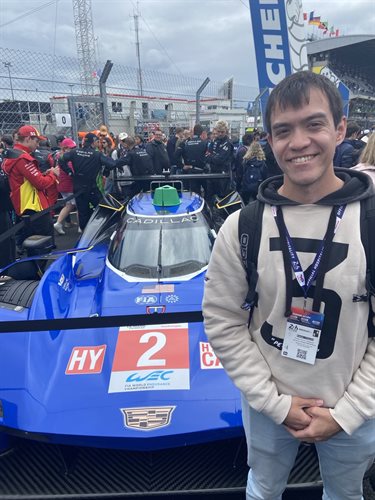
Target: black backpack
{"points": [[250, 231], [252, 175]]}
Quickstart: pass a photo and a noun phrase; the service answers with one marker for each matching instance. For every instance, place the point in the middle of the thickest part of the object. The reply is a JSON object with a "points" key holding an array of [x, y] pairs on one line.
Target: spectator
{"points": [[367, 159], [347, 153], [158, 153], [41, 155], [31, 191], [253, 172], [247, 139], [65, 186], [172, 145]]}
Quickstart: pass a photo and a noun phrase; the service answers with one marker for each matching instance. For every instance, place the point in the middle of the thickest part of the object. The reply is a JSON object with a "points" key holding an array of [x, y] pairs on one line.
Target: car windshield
{"points": [[162, 247]]}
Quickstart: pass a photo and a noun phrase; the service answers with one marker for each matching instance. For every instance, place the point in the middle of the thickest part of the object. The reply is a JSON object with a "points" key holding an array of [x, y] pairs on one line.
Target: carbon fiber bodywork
{"points": [[42, 471]]}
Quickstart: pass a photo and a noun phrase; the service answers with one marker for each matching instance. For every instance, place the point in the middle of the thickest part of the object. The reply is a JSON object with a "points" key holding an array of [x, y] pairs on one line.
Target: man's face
{"points": [[220, 133], [158, 136], [304, 140], [32, 143], [203, 135]]}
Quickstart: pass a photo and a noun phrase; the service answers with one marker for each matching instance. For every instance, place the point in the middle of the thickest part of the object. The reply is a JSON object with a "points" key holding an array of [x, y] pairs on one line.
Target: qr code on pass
{"points": [[301, 354]]}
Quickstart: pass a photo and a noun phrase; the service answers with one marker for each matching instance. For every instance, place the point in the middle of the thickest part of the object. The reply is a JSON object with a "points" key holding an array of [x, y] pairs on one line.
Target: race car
{"points": [[105, 348]]}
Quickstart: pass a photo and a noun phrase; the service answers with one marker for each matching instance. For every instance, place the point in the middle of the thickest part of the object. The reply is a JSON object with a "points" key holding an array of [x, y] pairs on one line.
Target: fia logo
{"points": [[146, 299]]}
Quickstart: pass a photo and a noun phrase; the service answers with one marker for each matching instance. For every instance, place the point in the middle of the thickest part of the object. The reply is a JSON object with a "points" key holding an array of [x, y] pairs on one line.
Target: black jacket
{"points": [[159, 156], [192, 152], [221, 155], [87, 163], [139, 161]]}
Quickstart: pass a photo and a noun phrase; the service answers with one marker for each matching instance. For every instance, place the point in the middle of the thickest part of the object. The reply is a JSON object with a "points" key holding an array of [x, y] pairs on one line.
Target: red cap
{"points": [[68, 143], [29, 131]]}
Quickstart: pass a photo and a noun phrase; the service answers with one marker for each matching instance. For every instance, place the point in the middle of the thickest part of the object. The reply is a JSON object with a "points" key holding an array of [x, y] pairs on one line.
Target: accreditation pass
{"points": [[302, 335]]}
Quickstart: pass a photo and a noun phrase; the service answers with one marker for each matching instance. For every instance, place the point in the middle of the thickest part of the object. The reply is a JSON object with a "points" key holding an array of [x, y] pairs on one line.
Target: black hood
{"points": [[357, 186]]}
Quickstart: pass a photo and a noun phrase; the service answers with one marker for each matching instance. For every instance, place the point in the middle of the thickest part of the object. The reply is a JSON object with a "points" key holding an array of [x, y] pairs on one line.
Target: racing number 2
{"points": [[145, 358]]}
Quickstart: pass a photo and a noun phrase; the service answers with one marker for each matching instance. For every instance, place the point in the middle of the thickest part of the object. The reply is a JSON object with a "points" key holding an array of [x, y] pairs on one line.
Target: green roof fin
{"points": [[166, 196]]}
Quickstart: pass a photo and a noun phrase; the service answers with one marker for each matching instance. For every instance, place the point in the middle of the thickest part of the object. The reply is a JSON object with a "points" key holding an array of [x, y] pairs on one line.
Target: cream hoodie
{"points": [[344, 372]]}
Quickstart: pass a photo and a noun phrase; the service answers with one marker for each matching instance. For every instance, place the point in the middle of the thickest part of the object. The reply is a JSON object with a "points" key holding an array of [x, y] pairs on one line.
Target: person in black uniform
{"points": [[87, 164], [191, 156], [220, 159], [140, 163]]}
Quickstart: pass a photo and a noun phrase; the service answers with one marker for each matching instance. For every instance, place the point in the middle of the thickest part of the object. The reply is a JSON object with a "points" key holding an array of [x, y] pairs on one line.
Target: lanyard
{"points": [[305, 282]]}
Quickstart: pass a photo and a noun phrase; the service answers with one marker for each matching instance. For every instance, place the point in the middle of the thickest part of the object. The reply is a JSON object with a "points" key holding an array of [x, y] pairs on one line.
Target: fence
{"points": [[35, 88]]}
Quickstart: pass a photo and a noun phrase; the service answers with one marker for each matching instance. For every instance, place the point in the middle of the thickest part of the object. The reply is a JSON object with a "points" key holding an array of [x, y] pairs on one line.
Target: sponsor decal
{"points": [[146, 299], [151, 358], [209, 360], [65, 283], [85, 360], [172, 299], [161, 220], [159, 288], [149, 418]]}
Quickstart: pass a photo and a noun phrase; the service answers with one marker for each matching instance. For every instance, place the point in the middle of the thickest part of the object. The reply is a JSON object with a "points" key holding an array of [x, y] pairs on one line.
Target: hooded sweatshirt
{"points": [[344, 371]]}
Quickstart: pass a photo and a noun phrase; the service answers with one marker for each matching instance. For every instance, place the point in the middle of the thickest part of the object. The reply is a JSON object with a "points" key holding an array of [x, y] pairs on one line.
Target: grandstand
{"points": [[351, 58]]}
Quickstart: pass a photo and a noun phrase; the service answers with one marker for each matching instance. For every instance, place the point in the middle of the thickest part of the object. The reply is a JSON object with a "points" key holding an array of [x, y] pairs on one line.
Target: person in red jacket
{"points": [[31, 191]]}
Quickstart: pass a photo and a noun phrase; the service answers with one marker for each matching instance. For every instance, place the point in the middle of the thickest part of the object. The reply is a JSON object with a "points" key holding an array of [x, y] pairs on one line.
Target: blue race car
{"points": [[107, 350]]}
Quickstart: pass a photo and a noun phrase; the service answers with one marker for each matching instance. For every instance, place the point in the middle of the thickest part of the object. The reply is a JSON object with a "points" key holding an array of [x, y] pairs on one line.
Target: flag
{"points": [[311, 16], [323, 25], [315, 21], [337, 32], [305, 16]]}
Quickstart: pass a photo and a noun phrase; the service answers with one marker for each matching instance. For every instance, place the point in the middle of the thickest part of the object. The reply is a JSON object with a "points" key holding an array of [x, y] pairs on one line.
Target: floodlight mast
{"points": [[85, 42]]}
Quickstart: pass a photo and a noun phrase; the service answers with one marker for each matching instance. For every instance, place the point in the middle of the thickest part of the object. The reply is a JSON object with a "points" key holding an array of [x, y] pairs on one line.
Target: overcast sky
{"points": [[189, 37]]}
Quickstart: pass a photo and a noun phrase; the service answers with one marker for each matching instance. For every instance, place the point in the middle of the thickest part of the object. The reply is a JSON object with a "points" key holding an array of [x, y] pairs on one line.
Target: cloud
{"points": [[191, 38]]}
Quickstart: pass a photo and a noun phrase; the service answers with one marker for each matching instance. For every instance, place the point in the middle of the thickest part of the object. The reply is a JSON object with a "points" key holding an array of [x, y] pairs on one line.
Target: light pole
{"points": [[8, 66]]}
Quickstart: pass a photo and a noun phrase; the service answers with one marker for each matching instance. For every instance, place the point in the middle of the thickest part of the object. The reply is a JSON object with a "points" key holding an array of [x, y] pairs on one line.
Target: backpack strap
{"points": [[367, 224], [249, 233]]}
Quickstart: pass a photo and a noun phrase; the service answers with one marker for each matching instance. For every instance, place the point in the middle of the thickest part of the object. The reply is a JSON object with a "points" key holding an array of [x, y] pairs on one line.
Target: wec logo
{"points": [[157, 375]]}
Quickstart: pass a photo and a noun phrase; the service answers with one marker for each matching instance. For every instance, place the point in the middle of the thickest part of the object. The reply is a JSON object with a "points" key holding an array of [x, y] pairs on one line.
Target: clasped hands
{"points": [[309, 421]]}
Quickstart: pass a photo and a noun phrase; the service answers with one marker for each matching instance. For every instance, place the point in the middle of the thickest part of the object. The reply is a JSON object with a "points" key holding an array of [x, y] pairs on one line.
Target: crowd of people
{"points": [[34, 174]]}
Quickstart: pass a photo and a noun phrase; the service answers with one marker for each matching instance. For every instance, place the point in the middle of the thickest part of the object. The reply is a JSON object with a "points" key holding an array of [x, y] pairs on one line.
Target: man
{"points": [[220, 157], [314, 385], [172, 146], [191, 156], [87, 163], [139, 163], [31, 191], [348, 152], [158, 153]]}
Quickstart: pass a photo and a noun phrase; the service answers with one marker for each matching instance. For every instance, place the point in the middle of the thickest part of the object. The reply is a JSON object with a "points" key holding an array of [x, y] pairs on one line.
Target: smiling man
{"points": [[305, 363]]}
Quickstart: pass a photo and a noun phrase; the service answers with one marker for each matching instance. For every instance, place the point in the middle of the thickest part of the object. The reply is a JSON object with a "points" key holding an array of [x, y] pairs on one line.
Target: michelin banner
{"points": [[279, 41]]}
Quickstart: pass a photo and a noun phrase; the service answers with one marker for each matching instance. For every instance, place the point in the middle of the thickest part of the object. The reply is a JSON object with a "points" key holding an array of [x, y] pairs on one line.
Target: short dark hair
{"points": [[352, 127], [294, 91], [247, 139], [7, 139], [198, 129], [59, 138], [90, 138]]}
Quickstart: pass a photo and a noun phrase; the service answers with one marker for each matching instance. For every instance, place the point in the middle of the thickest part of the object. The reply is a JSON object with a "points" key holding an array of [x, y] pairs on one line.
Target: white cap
{"points": [[122, 136]]}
